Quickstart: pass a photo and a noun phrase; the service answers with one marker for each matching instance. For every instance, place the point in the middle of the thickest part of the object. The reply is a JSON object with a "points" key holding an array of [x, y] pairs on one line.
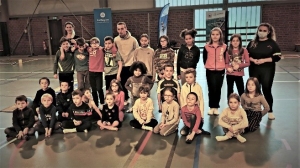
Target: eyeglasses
{"points": [[168, 95], [263, 30]]}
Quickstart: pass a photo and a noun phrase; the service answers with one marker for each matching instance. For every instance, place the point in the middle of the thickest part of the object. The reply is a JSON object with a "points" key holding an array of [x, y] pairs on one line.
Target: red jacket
{"points": [[214, 58]]}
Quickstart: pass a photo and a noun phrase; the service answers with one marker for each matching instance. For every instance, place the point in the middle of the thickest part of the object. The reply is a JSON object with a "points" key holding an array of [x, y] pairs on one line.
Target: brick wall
{"points": [[285, 19]]}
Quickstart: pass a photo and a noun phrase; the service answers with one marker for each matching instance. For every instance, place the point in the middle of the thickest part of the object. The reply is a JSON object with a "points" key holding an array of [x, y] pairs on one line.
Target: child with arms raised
{"points": [[170, 114], [251, 101], [116, 89], [233, 119], [22, 120], [110, 114], [143, 111]]}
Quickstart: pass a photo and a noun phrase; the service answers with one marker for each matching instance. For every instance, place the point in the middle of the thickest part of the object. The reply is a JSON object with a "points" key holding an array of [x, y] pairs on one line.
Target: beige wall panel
{"points": [[130, 4]]}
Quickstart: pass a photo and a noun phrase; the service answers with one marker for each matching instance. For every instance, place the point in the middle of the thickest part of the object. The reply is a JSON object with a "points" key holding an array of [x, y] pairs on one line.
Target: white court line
{"points": [[286, 144], [23, 72], [297, 81], [13, 140]]}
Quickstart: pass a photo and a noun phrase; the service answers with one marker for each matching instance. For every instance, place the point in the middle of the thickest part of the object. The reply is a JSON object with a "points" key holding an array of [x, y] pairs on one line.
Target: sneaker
{"points": [[211, 111], [241, 139], [203, 132], [147, 128], [65, 131], [129, 110], [86, 131], [222, 138], [271, 116], [216, 112]]}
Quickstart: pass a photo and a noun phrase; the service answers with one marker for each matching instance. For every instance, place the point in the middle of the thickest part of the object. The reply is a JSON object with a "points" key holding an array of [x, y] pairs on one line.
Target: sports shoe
{"points": [[129, 110], [271, 116], [211, 111], [216, 112], [65, 131], [241, 139], [203, 132], [222, 138], [147, 128], [86, 131]]}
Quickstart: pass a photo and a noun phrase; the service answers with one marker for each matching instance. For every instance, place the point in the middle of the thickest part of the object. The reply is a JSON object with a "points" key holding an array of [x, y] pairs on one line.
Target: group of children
{"points": [[78, 109]]}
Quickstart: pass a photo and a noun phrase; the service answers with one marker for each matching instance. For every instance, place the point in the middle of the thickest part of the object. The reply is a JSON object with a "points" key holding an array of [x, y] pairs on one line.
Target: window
{"points": [[161, 3]]}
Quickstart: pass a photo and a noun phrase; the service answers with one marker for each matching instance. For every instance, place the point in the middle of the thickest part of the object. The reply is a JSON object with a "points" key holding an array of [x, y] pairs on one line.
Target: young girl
{"points": [[251, 102], [188, 54], [170, 114], [88, 99], [110, 114], [116, 89], [163, 55], [237, 58], [233, 119], [191, 116], [143, 111], [214, 61], [138, 79]]}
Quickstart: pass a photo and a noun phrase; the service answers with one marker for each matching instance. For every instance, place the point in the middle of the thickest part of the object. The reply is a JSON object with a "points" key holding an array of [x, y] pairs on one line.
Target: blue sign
{"points": [[103, 23], [163, 20]]}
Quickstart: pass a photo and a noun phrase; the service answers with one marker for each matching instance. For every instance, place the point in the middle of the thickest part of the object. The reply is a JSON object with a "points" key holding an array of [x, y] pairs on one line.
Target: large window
{"points": [[161, 3]]}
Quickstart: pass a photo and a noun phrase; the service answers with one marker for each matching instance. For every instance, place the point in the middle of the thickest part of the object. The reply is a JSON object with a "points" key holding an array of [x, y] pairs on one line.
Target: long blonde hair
{"points": [[221, 42], [271, 34]]}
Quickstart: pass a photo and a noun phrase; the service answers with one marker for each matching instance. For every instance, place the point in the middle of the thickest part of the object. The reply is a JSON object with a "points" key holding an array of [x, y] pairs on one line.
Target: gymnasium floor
{"points": [[275, 144]]}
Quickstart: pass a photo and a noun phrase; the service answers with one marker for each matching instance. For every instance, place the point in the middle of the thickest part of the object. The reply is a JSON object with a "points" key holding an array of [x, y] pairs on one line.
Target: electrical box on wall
{"points": [[53, 18]]}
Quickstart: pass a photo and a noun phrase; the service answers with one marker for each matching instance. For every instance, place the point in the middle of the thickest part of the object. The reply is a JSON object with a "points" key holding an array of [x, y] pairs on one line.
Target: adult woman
{"points": [[70, 33], [264, 52]]}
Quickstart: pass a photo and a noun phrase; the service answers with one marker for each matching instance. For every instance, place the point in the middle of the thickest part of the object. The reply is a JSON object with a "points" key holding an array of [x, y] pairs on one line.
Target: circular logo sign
{"points": [[102, 14]]}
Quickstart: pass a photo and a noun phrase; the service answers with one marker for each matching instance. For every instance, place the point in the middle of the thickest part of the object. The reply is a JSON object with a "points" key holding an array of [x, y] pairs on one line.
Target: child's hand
{"points": [[25, 131], [119, 78], [229, 69], [49, 132], [20, 135], [231, 129], [55, 76], [190, 136], [46, 132], [73, 48], [37, 110], [178, 77], [236, 66], [73, 41], [162, 126]]}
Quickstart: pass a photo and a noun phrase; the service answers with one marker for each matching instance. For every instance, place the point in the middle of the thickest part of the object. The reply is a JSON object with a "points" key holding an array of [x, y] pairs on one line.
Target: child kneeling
{"points": [[233, 120], [143, 111], [170, 114]]}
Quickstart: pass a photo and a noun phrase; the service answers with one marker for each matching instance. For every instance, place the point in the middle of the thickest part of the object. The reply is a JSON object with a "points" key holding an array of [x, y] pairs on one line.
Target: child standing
{"points": [[191, 117], [110, 114], [64, 62], [138, 79], [116, 89], [79, 115], [145, 54], [143, 111], [113, 62], [237, 58], [64, 100], [163, 55], [233, 119], [22, 120], [167, 81], [188, 54], [82, 64], [44, 83], [192, 86], [170, 114], [48, 117], [214, 61], [251, 102]]}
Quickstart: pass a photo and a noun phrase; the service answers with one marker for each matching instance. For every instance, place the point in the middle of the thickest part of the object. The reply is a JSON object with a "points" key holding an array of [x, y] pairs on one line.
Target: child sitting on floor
{"points": [[116, 89], [64, 100]]}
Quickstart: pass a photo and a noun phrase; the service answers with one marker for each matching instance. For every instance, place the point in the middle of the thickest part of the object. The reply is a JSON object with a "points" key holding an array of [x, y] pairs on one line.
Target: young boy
{"points": [[64, 100], [81, 57], [44, 83], [79, 115], [192, 86], [22, 120], [113, 62], [48, 116], [64, 62], [145, 54], [168, 81]]}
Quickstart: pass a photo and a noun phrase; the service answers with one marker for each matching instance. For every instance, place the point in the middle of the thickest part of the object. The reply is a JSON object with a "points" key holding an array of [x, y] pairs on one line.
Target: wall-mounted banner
{"points": [[163, 20], [217, 19], [103, 23]]}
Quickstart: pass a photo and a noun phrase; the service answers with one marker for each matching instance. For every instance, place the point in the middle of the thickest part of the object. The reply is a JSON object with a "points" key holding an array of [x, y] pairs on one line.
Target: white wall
{"points": [[130, 4], [26, 7]]}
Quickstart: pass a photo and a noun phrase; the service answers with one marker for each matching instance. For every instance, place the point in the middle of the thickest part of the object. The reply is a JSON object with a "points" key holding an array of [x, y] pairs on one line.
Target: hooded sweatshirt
{"points": [[126, 47], [187, 58], [145, 55]]}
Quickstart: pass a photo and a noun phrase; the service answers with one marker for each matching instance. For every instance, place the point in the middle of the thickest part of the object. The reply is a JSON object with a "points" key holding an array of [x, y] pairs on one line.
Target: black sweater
{"points": [[110, 115], [64, 100], [187, 58], [82, 112], [39, 94], [48, 115], [23, 119]]}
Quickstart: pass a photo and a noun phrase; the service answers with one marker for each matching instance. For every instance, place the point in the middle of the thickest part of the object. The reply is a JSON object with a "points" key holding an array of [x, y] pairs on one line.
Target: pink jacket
{"points": [[214, 58], [242, 60]]}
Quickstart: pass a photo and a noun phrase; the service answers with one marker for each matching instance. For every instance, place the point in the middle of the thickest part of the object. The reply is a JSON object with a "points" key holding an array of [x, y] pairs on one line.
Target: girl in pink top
{"points": [[237, 58], [116, 89]]}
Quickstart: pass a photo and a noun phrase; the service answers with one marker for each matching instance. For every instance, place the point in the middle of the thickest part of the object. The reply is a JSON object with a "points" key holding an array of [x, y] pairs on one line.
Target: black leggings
{"points": [[239, 82], [254, 118], [265, 76], [186, 130], [69, 124], [125, 74], [135, 123], [214, 84], [11, 132], [96, 82]]}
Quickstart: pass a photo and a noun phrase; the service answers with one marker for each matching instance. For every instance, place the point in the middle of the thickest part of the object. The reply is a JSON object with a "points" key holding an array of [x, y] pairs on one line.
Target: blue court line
{"points": [[197, 150]]}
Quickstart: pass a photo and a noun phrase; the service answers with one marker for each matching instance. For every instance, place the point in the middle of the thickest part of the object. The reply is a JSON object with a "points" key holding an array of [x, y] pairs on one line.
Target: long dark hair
{"points": [[185, 32], [70, 23], [271, 35], [230, 48], [116, 82], [168, 41], [257, 85]]}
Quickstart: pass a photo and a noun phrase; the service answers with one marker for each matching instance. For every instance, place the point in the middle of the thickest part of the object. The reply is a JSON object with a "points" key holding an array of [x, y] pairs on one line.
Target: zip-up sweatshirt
{"points": [[23, 119], [242, 60], [64, 100], [66, 65], [48, 114], [146, 55], [187, 58], [126, 47], [186, 89], [214, 58]]}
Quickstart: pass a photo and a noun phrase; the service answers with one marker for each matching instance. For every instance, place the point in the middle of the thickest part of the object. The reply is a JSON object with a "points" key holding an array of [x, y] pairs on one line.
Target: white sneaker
{"points": [[147, 128], [216, 112], [211, 111], [271, 116], [65, 131], [86, 131], [222, 138], [241, 139]]}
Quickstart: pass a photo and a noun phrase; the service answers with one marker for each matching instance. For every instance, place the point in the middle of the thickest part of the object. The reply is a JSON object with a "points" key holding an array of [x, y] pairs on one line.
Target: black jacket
{"points": [[187, 58], [23, 119], [64, 100]]}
